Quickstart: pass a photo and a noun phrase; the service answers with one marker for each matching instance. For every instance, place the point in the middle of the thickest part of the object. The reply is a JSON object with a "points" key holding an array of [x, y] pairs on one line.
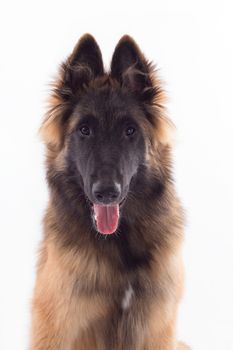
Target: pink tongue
{"points": [[107, 217]]}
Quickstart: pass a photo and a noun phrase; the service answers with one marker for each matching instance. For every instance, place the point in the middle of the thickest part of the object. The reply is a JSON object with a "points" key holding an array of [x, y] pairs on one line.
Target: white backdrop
{"points": [[191, 41]]}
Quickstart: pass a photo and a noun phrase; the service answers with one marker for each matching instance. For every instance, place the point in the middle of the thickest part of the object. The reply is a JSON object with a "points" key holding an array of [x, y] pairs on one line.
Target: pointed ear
{"points": [[131, 69], [83, 65]]}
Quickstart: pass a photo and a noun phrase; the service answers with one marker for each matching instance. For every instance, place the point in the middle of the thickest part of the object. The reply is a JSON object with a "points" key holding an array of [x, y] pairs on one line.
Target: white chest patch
{"points": [[127, 299]]}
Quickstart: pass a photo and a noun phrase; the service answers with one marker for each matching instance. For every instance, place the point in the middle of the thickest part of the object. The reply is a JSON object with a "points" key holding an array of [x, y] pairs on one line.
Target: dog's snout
{"points": [[106, 194]]}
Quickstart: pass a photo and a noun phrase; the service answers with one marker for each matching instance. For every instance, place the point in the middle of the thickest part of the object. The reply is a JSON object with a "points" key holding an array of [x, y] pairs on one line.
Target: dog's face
{"points": [[107, 147], [105, 125]]}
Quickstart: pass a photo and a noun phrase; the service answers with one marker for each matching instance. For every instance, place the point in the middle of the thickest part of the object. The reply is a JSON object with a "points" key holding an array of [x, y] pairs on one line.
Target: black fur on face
{"points": [[107, 145], [103, 124]]}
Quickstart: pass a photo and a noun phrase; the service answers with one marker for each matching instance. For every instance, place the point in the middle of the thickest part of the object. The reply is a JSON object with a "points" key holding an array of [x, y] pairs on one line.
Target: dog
{"points": [[110, 273]]}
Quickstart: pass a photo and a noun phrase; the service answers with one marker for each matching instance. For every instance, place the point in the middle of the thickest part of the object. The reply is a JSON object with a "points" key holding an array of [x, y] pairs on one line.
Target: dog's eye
{"points": [[130, 131], [85, 130]]}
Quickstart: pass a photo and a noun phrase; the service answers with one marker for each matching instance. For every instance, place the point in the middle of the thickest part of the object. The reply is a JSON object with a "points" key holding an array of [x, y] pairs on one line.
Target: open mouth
{"points": [[106, 217]]}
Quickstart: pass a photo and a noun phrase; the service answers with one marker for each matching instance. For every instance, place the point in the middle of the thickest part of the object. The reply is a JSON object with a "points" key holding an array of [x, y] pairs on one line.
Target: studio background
{"points": [[191, 43]]}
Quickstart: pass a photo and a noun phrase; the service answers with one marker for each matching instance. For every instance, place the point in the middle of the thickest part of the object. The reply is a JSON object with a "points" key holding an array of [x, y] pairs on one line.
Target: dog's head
{"points": [[106, 132]]}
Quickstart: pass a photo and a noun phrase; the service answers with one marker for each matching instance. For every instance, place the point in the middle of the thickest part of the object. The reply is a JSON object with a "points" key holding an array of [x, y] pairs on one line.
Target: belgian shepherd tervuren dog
{"points": [[110, 272]]}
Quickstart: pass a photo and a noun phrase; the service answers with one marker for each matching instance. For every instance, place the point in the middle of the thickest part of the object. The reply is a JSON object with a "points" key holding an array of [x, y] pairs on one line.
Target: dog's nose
{"points": [[106, 194]]}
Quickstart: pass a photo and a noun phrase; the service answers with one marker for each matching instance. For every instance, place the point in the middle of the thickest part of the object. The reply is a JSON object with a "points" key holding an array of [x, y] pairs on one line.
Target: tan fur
{"points": [[65, 316], [164, 132], [59, 321], [50, 131], [57, 316]]}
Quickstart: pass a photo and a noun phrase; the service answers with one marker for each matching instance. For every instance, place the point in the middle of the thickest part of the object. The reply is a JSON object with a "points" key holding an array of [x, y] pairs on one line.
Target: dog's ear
{"points": [[131, 69], [82, 66]]}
